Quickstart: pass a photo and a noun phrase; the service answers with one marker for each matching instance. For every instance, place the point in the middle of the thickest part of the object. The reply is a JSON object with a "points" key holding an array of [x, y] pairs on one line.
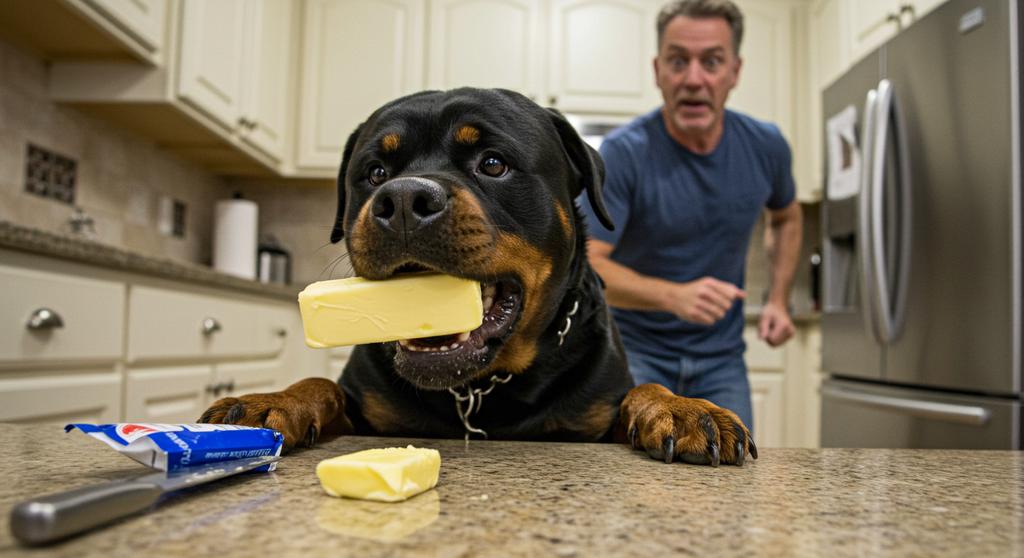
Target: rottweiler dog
{"points": [[481, 184]]}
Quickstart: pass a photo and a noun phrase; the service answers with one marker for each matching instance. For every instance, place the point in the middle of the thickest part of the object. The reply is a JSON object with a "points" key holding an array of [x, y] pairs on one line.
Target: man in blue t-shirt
{"points": [[685, 185]]}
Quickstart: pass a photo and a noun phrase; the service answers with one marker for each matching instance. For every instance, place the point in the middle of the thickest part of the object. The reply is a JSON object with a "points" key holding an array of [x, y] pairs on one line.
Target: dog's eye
{"points": [[377, 175], [493, 167]]}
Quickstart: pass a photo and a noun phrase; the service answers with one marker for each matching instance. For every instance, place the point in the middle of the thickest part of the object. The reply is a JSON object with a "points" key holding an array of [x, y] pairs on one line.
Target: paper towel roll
{"points": [[234, 237]]}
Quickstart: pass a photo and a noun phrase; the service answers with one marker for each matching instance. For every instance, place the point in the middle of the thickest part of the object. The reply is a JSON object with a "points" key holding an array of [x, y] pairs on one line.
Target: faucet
{"points": [[82, 224]]}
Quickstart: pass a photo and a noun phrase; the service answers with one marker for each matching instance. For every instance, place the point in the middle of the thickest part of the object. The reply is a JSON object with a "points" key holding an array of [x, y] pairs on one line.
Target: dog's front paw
{"points": [[300, 412], [668, 427]]}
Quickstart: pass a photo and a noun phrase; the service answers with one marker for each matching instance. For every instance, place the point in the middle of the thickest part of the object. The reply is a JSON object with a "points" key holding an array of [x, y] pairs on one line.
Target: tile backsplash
{"points": [[119, 176]]}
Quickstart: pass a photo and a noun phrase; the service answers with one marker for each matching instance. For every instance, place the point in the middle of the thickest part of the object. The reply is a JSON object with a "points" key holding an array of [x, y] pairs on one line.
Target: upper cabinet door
{"points": [[210, 65], [486, 43], [144, 20], [357, 55], [601, 54], [268, 75], [872, 22], [765, 89]]}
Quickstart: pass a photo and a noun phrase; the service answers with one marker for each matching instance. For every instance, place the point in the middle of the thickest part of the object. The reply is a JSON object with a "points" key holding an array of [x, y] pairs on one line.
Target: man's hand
{"points": [[704, 301], [776, 326]]}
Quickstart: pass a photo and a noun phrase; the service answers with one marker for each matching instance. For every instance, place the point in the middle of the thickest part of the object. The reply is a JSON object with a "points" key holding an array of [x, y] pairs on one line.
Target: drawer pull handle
{"points": [[210, 326], [281, 332], [216, 389], [44, 319]]}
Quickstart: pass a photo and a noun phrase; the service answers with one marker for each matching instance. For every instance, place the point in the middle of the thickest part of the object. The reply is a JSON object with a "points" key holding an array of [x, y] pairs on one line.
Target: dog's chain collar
{"points": [[568, 322], [474, 400], [470, 403]]}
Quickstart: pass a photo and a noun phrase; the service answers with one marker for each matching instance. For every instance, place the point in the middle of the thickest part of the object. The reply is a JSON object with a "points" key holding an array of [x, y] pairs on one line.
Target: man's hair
{"points": [[703, 9]]}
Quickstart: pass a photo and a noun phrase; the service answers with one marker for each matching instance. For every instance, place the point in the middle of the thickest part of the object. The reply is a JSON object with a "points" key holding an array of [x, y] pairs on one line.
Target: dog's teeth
{"points": [[462, 338], [444, 348]]}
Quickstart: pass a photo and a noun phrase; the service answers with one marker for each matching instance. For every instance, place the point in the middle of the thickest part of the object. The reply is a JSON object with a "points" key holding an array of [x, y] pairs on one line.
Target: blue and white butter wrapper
{"points": [[172, 447]]}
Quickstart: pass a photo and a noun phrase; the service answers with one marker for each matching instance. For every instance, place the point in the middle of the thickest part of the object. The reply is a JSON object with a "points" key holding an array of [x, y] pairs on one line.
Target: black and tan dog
{"points": [[480, 184]]}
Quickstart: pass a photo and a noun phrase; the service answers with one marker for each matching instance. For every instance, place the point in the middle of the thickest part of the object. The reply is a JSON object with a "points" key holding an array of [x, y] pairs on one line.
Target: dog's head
{"points": [[477, 184]]}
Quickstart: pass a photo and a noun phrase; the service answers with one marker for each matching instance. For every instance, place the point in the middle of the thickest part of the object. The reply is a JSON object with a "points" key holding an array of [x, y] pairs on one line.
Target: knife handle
{"points": [[63, 514]]}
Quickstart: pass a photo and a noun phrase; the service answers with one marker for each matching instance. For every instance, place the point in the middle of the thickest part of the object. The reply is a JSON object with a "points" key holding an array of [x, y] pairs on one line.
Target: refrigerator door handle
{"points": [[947, 412], [865, 245], [889, 317]]}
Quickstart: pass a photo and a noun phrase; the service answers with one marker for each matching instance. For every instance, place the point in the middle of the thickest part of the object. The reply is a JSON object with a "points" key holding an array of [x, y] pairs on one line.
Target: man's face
{"points": [[695, 69]]}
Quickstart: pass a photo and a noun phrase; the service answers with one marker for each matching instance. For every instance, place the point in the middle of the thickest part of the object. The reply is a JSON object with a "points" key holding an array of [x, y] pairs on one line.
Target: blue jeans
{"points": [[721, 380]]}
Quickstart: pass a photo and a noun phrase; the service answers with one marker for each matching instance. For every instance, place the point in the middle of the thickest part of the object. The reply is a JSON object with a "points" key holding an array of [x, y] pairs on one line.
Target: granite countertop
{"points": [[81, 250], [553, 499]]}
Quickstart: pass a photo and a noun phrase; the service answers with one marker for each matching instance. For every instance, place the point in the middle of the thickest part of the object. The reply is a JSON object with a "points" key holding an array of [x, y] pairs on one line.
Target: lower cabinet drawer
{"points": [[172, 394], [166, 324], [761, 355], [93, 397], [76, 318]]}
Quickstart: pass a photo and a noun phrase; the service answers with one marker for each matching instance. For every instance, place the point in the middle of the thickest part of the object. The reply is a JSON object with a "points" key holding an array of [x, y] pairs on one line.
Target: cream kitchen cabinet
{"points": [[234, 66], [61, 340], [114, 345], [181, 393], [122, 30], [486, 43], [187, 349], [144, 21], [210, 69], [356, 55], [873, 22], [600, 55], [784, 387]]}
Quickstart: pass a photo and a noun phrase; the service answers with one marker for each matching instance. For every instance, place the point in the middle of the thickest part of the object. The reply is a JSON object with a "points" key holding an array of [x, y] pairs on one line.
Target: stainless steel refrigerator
{"points": [[922, 248]]}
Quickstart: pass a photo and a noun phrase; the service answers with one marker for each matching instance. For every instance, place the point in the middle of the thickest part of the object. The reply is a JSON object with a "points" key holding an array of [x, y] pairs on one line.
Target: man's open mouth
{"points": [[451, 360]]}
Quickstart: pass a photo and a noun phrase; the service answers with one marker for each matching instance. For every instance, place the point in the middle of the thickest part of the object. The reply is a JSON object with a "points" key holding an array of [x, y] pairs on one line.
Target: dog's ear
{"points": [[338, 231], [587, 164]]}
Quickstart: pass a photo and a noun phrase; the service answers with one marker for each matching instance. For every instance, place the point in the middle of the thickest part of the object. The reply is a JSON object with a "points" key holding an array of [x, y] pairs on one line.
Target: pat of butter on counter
{"points": [[355, 311], [385, 475]]}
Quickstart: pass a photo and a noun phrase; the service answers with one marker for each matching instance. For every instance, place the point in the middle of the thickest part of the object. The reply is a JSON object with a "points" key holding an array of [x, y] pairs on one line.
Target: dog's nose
{"points": [[406, 204]]}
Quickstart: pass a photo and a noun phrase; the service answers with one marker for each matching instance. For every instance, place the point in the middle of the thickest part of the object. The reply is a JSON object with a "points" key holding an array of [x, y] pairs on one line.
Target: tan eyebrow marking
{"points": [[390, 143], [467, 135]]}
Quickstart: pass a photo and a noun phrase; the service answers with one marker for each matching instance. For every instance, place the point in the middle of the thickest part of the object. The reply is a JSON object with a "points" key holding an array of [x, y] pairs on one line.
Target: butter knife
{"points": [[56, 516]]}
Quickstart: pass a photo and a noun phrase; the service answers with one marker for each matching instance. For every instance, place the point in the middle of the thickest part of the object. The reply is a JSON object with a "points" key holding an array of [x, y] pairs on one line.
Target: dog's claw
{"points": [[741, 453], [235, 413], [707, 423], [668, 445], [633, 433], [206, 416], [312, 434], [753, 448]]}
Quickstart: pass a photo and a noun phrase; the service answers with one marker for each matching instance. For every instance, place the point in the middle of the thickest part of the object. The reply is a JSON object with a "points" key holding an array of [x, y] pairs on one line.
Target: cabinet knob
{"points": [[210, 326], [246, 123], [908, 8], [44, 319], [553, 100], [895, 18], [281, 332]]}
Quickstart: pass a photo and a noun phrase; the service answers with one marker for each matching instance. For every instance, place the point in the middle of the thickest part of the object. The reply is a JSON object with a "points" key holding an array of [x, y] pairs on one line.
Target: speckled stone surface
{"points": [[552, 499], [85, 251]]}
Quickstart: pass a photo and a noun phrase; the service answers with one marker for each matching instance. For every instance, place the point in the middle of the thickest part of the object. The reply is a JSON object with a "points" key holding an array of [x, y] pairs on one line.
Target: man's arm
{"points": [[785, 229], [704, 301]]}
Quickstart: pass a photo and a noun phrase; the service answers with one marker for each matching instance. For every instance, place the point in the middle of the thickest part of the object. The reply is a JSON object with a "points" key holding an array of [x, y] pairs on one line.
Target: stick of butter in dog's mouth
{"points": [[355, 311], [386, 475]]}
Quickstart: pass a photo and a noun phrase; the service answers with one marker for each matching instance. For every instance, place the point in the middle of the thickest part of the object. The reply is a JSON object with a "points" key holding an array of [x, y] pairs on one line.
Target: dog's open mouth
{"points": [[450, 360]]}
